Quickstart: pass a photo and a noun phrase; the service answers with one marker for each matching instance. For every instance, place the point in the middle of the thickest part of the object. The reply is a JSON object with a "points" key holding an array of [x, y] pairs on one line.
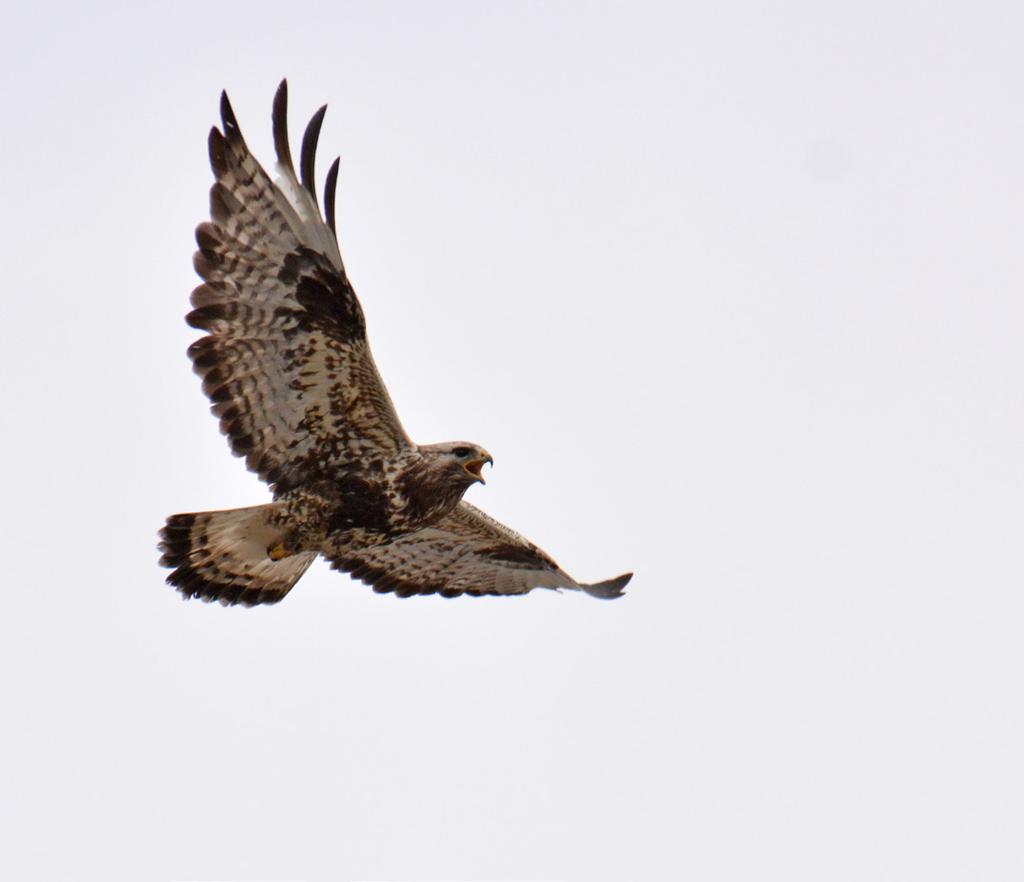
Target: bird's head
{"points": [[462, 461]]}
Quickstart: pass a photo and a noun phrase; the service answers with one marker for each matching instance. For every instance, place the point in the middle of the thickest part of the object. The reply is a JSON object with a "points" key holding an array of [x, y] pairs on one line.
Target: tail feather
{"points": [[223, 556]]}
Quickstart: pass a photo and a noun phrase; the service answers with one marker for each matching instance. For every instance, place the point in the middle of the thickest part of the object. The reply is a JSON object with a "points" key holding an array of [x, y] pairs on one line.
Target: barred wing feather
{"points": [[285, 360], [467, 552]]}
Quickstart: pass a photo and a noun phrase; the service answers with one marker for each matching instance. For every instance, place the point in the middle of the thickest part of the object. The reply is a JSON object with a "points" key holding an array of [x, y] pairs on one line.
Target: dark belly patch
{"points": [[363, 505]]}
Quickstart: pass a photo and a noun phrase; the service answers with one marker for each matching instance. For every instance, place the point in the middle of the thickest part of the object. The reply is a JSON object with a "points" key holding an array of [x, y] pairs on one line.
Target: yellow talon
{"points": [[278, 552]]}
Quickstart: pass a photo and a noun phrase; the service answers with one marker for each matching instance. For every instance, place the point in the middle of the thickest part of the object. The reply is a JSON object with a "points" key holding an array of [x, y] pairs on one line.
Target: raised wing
{"points": [[285, 362], [466, 552]]}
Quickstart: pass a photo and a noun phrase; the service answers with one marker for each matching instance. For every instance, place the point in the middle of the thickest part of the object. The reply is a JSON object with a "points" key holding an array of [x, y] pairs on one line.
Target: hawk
{"points": [[286, 363]]}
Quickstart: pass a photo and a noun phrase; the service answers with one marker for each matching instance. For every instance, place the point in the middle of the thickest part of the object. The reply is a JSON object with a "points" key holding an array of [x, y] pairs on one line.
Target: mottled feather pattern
{"points": [[286, 365], [222, 556], [466, 552], [286, 362]]}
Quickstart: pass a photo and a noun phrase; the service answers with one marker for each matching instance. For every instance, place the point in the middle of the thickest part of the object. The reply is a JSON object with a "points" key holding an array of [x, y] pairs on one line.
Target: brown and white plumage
{"points": [[222, 555], [286, 363], [466, 552]]}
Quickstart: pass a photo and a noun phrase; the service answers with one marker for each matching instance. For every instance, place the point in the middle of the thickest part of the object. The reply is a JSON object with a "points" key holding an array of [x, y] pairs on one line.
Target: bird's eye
{"points": [[460, 452]]}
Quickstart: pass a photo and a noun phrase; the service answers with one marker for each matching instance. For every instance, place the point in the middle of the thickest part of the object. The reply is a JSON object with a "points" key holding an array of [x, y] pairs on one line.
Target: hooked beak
{"points": [[475, 466]]}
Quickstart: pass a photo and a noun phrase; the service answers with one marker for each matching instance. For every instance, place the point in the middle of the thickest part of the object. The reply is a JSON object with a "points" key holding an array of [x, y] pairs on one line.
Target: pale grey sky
{"points": [[731, 291]]}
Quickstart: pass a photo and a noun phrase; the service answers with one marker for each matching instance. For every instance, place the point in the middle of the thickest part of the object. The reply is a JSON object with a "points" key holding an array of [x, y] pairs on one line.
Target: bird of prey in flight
{"points": [[287, 365]]}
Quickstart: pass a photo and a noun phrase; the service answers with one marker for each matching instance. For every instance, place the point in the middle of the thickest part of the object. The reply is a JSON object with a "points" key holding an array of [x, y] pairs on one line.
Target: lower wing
{"points": [[466, 552]]}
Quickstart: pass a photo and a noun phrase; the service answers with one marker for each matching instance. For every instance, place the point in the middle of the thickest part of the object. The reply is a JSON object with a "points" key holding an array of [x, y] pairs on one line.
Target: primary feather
{"points": [[287, 367]]}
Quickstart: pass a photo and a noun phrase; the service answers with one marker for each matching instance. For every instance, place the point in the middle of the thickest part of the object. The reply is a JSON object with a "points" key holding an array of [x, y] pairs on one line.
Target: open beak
{"points": [[476, 466]]}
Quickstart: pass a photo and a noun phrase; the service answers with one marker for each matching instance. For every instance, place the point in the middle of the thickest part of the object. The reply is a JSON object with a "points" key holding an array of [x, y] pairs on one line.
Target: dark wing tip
{"points": [[280, 121], [227, 116], [307, 160], [609, 589], [330, 186], [215, 145]]}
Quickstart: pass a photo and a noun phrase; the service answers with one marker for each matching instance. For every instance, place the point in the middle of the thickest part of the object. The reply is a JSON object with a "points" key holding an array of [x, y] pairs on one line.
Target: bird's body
{"points": [[376, 501], [288, 368]]}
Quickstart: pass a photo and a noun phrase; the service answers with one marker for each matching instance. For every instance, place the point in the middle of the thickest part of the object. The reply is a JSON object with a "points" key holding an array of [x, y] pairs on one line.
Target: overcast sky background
{"points": [[732, 292]]}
